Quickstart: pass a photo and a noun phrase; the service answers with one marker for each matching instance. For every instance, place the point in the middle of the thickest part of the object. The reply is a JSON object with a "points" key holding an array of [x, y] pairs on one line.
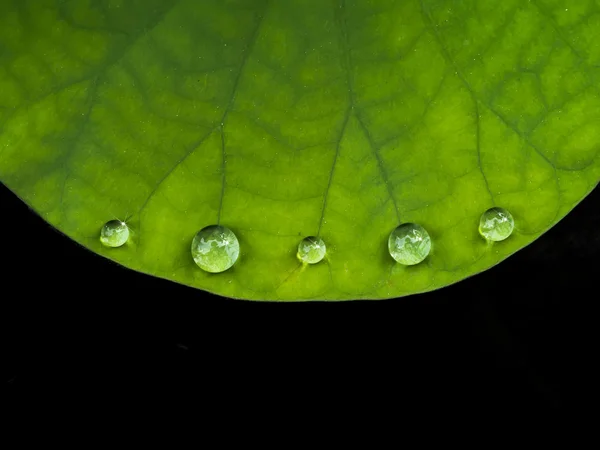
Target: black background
{"points": [[517, 337]]}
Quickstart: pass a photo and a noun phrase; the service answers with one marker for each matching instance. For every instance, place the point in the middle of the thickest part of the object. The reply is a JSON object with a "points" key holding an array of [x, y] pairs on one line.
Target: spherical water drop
{"points": [[409, 244], [114, 233], [496, 224], [215, 248], [311, 250]]}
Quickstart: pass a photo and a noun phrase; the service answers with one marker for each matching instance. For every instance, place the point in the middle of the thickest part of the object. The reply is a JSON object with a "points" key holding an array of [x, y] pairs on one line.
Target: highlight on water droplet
{"points": [[114, 233], [496, 224], [311, 250], [215, 248], [409, 244]]}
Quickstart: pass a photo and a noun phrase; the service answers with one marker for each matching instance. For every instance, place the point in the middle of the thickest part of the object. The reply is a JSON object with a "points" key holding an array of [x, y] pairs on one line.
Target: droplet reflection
{"points": [[496, 224], [409, 244], [114, 233], [215, 248], [311, 250]]}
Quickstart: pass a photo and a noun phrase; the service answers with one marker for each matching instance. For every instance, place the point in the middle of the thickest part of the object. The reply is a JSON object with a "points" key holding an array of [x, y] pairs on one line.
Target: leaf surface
{"points": [[286, 119]]}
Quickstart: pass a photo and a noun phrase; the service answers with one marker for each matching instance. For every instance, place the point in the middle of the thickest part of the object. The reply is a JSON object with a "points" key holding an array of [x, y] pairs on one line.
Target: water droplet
{"points": [[409, 244], [215, 248], [496, 224], [311, 250], [114, 233]]}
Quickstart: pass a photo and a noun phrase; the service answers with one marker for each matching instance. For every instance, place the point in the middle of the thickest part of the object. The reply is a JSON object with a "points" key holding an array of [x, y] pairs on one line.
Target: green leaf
{"points": [[286, 119]]}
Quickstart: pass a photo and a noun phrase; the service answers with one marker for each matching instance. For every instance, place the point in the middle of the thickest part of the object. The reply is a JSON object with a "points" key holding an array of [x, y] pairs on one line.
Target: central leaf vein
{"points": [[476, 99], [246, 53], [351, 109], [219, 126]]}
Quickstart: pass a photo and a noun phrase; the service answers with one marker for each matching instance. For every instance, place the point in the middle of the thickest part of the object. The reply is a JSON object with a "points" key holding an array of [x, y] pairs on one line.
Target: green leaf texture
{"points": [[288, 118]]}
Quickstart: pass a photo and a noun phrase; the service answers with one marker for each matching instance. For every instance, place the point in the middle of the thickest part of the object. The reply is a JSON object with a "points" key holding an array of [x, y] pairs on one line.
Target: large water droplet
{"points": [[409, 244], [215, 248], [496, 224], [311, 250], [114, 233]]}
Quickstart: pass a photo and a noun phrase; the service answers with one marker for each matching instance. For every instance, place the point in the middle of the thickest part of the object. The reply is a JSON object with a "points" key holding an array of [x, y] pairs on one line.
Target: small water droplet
{"points": [[311, 250], [409, 244], [114, 233], [496, 224], [215, 248]]}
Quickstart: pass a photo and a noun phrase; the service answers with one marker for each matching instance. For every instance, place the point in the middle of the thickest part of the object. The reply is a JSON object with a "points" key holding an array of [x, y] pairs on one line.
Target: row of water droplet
{"points": [[216, 248]]}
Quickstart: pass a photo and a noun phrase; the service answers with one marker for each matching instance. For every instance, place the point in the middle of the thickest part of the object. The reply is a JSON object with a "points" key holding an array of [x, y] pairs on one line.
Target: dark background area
{"points": [[518, 337]]}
